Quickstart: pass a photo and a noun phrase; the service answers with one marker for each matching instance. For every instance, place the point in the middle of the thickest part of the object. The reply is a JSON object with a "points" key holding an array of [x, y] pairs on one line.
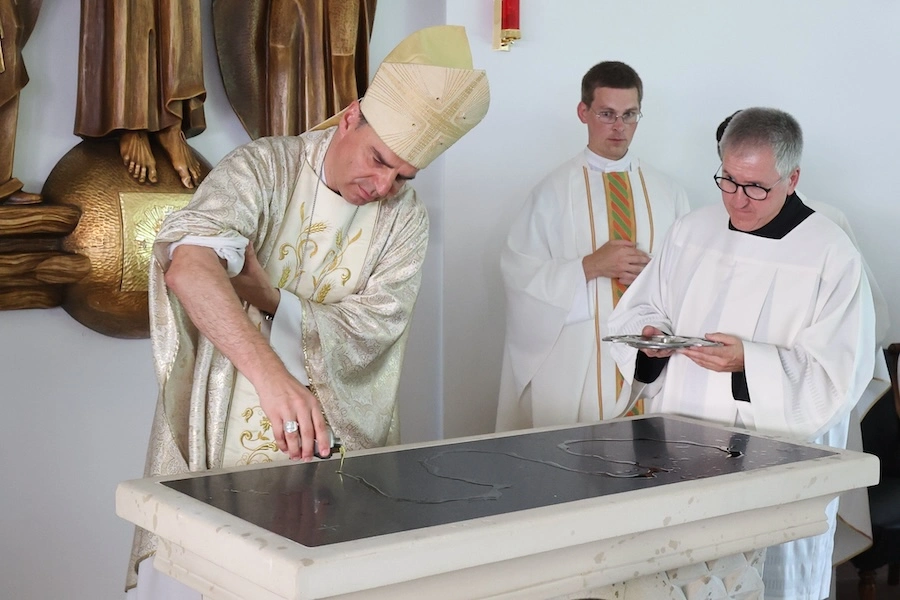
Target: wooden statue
{"points": [[288, 65], [140, 76], [34, 268], [87, 246], [17, 18]]}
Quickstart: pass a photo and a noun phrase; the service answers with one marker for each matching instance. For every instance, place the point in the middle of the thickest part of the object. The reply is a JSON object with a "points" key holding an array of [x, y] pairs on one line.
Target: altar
{"points": [[651, 507]]}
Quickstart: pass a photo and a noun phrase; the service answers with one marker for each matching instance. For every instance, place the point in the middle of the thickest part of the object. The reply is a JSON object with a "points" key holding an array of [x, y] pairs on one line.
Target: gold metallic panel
{"points": [[142, 216], [119, 216]]}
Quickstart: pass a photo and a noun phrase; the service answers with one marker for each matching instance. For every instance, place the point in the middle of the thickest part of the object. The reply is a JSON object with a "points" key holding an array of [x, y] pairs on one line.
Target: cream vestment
{"points": [[355, 309], [354, 273], [854, 526], [803, 306], [554, 319]]}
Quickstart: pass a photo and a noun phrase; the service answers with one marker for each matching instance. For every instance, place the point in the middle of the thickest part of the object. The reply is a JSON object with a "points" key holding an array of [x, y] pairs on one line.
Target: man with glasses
{"points": [[854, 526], [587, 230], [782, 291]]}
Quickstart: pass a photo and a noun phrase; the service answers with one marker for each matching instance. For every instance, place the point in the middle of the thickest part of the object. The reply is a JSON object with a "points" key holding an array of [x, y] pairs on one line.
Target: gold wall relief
{"points": [[142, 216], [120, 217], [85, 242]]}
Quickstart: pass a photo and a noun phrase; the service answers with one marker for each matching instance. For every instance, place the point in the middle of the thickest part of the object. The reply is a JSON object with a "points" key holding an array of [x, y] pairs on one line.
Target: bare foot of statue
{"points": [[134, 147], [21, 197], [188, 168]]}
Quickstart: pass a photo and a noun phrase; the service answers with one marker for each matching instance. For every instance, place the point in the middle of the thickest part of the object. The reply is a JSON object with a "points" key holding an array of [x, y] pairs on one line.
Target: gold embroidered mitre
{"points": [[425, 95]]}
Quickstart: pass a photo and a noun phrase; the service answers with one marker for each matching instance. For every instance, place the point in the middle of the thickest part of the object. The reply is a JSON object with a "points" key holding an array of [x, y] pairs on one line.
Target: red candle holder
{"points": [[506, 24]]}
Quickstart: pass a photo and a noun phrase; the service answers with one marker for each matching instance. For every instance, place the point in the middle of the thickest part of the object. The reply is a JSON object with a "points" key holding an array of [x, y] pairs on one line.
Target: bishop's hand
{"points": [[286, 401]]}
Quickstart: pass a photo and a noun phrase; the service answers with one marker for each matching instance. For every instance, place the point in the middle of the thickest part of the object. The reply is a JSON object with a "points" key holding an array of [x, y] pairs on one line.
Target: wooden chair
{"points": [[881, 436]]}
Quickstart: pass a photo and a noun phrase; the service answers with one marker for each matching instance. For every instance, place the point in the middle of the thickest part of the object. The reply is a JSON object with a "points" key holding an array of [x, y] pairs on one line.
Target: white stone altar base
{"points": [[692, 539]]}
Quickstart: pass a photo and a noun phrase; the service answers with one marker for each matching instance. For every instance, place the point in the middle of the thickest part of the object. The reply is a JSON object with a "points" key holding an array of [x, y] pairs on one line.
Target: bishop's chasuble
{"points": [[555, 368], [356, 291]]}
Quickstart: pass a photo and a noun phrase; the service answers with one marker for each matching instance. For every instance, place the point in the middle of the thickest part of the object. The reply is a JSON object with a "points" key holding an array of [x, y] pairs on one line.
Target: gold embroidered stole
{"points": [[322, 243], [319, 251], [622, 225]]}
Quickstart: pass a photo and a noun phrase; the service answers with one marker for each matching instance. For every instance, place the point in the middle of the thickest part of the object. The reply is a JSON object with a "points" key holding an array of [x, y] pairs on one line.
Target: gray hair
{"points": [[754, 128]]}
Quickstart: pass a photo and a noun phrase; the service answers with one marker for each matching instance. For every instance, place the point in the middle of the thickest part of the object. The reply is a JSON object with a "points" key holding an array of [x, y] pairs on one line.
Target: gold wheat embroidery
{"points": [[256, 440], [285, 277], [304, 244], [322, 293], [331, 270]]}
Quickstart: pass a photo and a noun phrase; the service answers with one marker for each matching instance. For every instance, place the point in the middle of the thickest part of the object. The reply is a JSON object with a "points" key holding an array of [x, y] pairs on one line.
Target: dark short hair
{"points": [[720, 131], [757, 127], [610, 74]]}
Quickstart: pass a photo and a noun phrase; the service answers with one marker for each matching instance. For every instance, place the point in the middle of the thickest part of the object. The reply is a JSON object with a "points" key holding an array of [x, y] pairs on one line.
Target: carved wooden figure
{"points": [[17, 18], [288, 65], [33, 267], [140, 76]]}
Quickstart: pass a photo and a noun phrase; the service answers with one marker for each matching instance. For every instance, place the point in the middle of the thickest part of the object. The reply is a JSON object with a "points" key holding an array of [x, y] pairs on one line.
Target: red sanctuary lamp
{"points": [[506, 24]]}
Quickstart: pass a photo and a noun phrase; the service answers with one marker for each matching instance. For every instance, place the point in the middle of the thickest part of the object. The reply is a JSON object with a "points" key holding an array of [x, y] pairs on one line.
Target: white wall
{"points": [[77, 405], [420, 384], [831, 63]]}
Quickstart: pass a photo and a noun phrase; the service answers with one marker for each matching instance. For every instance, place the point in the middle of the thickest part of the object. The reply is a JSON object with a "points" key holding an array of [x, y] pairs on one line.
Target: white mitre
{"points": [[425, 95]]}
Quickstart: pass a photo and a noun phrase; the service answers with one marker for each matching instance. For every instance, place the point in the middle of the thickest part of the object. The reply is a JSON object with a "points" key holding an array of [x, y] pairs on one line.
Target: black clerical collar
{"points": [[791, 214]]}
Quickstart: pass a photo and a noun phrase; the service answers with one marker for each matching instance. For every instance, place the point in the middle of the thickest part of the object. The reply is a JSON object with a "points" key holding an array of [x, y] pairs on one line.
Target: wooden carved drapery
{"points": [[33, 266], [140, 95], [140, 77], [288, 65], [17, 19]]}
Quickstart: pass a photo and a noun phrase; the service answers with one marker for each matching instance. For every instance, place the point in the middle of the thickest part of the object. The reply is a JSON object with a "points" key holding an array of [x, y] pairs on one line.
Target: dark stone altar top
{"points": [[315, 504]]}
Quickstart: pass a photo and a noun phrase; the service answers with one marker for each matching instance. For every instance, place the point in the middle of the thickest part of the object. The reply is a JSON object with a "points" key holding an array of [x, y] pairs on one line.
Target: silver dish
{"points": [[660, 342]]}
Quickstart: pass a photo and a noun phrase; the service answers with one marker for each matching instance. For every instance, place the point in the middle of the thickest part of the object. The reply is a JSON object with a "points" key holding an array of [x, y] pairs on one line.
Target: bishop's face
{"points": [[359, 166], [755, 166]]}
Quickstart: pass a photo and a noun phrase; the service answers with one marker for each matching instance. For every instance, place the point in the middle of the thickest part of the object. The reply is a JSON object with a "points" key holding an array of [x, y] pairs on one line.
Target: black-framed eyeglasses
{"points": [[751, 190], [629, 117]]}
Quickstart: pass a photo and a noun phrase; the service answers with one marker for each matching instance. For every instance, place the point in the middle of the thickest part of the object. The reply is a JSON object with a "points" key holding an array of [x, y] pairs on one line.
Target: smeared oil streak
{"points": [[564, 446], [644, 472], [494, 493]]}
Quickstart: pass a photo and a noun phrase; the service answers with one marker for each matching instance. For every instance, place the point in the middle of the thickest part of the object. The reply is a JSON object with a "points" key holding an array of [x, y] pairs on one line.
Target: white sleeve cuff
{"points": [[230, 249], [581, 306], [286, 336]]}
